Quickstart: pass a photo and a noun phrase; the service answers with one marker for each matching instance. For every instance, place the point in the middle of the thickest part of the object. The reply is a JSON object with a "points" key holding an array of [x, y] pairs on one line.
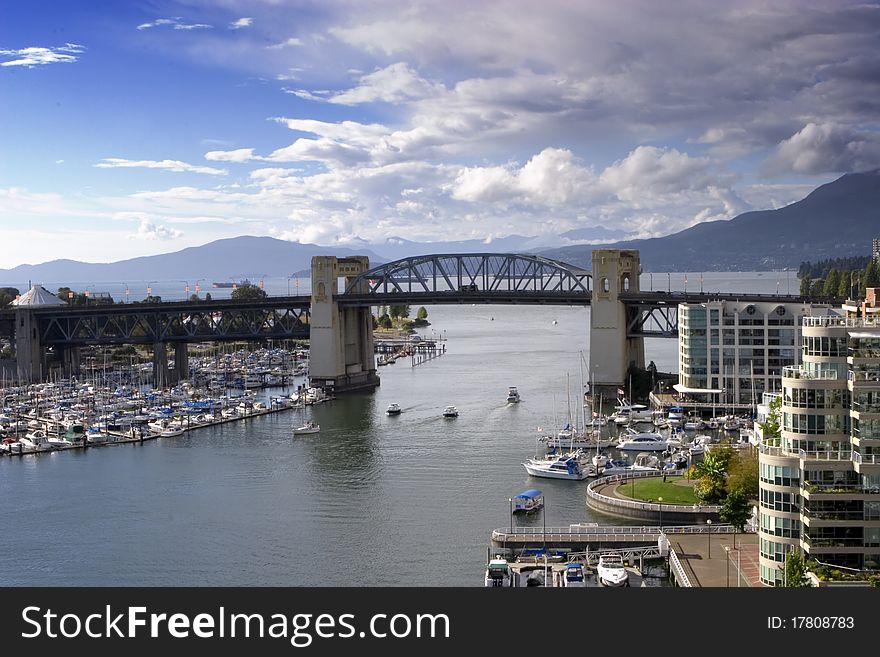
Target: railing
{"points": [[824, 320], [826, 455], [863, 322], [678, 570], [860, 407], [872, 374], [643, 506], [839, 489], [833, 542], [834, 515], [773, 450], [611, 530], [798, 372], [871, 459]]}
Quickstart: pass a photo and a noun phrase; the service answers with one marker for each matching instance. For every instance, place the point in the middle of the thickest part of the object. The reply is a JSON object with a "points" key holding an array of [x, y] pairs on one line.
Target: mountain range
{"points": [[837, 219]]}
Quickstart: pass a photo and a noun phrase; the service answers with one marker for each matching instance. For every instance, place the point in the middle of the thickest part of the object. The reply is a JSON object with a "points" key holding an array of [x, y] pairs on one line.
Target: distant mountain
{"points": [[221, 260], [835, 220], [395, 248], [595, 234]]}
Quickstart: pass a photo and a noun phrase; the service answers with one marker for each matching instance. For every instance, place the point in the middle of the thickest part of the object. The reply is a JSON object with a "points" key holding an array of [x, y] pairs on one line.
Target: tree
{"points": [[422, 313], [817, 288], [152, 299], [248, 292], [735, 509], [795, 570], [843, 290], [385, 321], [399, 311], [832, 282], [771, 427], [712, 471], [208, 296], [742, 473], [870, 278], [195, 298], [806, 285], [7, 295]]}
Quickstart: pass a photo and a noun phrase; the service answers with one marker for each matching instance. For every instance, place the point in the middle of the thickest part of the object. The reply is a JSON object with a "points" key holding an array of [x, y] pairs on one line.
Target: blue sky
{"points": [[133, 128]]}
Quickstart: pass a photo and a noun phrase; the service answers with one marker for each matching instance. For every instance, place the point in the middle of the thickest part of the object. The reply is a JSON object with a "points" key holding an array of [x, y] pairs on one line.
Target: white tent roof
{"points": [[678, 387], [38, 296]]}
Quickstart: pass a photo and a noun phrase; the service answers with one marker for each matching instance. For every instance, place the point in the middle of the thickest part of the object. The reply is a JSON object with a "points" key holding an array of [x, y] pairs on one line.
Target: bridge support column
{"points": [[341, 354], [161, 375], [181, 362], [70, 360], [29, 356], [611, 351]]}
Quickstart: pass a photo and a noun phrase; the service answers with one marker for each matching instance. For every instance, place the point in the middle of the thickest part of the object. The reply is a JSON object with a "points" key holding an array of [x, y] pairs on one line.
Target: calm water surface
{"points": [[370, 500]]}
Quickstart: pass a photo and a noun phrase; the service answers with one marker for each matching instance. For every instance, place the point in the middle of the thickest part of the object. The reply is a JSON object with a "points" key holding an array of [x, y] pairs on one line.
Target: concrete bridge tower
{"points": [[341, 355], [615, 271]]}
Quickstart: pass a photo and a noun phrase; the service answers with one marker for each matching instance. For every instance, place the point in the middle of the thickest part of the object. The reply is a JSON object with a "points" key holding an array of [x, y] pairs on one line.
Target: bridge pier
{"points": [[341, 354], [70, 360], [161, 374], [29, 357], [181, 362], [615, 272]]}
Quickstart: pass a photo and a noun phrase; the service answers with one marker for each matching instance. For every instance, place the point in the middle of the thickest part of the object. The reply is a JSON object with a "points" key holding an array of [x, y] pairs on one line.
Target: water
{"points": [[371, 500]]}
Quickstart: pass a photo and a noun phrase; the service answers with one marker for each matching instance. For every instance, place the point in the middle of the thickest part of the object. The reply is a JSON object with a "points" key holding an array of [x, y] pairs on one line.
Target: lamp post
{"points": [[198, 285], [126, 292], [660, 500], [727, 552], [709, 533], [510, 508], [738, 569]]}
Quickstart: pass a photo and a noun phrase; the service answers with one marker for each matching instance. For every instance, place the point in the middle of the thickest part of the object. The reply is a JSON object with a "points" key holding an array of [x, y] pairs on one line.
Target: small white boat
{"points": [[512, 395], [642, 441], [675, 416], [611, 571], [393, 409], [308, 427], [567, 466], [498, 573], [574, 576], [450, 411]]}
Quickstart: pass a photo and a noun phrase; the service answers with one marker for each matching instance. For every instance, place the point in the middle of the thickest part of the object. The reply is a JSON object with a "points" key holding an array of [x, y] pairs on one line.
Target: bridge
{"points": [[338, 321]]}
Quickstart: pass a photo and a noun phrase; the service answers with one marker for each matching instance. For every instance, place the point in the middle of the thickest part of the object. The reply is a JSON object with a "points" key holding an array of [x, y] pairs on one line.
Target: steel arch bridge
{"points": [[459, 277]]}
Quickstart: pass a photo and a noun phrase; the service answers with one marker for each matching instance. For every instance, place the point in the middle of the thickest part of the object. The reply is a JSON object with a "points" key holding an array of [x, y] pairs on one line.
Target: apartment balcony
{"points": [[866, 463], [818, 492], [831, 456], [797, 372], [826, 545]]}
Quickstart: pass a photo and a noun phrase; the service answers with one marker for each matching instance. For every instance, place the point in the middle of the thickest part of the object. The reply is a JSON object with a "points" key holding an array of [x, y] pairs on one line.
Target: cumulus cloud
{"points": [[392, 84], [240, 23], [168, 165], [826, 148], [651, 170], [147, 230], [38, 56], [174, 23]]}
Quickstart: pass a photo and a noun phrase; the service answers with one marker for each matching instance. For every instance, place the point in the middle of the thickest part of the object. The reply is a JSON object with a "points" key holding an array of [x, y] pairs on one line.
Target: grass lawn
{"points": [[652, 488]]}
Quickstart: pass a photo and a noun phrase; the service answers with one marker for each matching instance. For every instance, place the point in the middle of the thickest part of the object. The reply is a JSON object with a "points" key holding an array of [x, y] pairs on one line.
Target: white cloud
{"points": [[168, 165], [147, 230], [240, 23], [392, 84], [237, 155], [292, 41], [649, 170], [175, 23], [39, 56], [826, 148]]}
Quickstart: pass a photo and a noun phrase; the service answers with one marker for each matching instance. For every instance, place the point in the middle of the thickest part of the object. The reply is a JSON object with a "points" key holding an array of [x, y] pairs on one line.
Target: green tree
{"points": [[843, 290], [870, 277], [817, 288], [422, 313], [742, 473], [152, 299], [795, 570], [806, 285], [195, 298], [7, 295], [399, 311], [736, 510], [771, 427], [385, 321], [208, 296], [248, 292], [712, 473], [832, 282]]}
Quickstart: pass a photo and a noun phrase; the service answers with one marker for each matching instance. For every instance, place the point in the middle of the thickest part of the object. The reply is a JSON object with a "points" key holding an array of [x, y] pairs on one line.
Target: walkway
{"points": [[707, 563]]}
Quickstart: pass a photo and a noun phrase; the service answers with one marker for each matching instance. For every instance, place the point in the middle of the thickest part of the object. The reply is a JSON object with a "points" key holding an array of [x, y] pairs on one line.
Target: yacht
{"points": [[308, 427], [694, 424], [675, 416], [566, 466], [498, 573], [611, 571], [393, 409], [574, 576], [642, 441], [616, 467], [512, 395], [450, 411]]}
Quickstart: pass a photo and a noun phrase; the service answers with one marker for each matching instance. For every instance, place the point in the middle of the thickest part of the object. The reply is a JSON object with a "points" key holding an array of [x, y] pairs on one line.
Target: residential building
{"points": [[730, 353], [875, 250], [820, 485]]}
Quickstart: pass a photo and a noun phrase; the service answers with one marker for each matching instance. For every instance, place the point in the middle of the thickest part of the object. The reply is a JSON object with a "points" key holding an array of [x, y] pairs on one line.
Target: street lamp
{"points": [[727, 551], [510, 508], [660, 499], [709, 533]]}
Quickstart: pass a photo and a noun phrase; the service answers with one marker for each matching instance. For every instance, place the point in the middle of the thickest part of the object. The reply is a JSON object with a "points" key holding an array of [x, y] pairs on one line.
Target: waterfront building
{"points": [[730, 353], [875, 250], [820, 485]]}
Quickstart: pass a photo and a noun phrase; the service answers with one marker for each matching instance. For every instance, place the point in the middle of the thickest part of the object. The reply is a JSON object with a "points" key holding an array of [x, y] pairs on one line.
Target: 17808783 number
{"points": [[811, 623]]}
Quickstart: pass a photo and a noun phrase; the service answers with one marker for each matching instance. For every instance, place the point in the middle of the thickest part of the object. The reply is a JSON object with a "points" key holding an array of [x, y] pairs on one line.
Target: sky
{"points": [[136, 128]]}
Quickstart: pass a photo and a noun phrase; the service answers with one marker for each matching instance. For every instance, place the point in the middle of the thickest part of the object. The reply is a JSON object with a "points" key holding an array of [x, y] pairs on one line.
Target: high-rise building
{"points": [[875, 250], [734, 352], [820, 485]]}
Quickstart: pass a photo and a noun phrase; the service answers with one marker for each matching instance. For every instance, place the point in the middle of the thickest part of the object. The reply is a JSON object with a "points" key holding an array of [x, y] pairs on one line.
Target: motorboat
{"points": [[393, 409], [731, 423], [642, 441], [601, 460], [512, 395], [566, 466], [308, 427], [694, 424], [635, 413], [574, 576], [588, 441], [675, 416], [527, 501], [450, 411], [498, 573], [611, 571], [616, 467], [645, 461]]}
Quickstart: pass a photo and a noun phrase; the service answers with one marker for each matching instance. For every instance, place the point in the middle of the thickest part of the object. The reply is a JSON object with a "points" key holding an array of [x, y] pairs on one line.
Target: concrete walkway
{"points": [[707, 563]]}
